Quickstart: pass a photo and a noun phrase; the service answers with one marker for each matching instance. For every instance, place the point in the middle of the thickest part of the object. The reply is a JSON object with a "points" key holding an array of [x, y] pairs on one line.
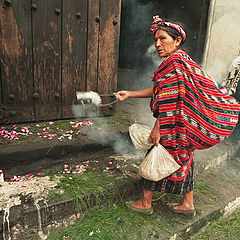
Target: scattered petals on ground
{"points": [[47, 131], [28, 177], [78, 169], [14, 134]]}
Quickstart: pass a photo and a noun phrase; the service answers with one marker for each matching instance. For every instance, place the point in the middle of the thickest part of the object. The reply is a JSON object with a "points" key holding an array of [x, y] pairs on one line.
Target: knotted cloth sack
{"points": [[140, 136], [158, 163]]}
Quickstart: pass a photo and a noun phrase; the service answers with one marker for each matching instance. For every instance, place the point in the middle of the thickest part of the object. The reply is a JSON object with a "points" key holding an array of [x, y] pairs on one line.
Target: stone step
{"points": [[217, 193]]}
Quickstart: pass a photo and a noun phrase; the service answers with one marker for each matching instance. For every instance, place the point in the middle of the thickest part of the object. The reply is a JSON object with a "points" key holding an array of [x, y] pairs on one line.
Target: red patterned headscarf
{"points": [[157, 21]]}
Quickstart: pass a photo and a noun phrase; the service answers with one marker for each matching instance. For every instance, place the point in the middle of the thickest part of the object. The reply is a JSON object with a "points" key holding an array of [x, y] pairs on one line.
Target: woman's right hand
{"points": [[122, 95], [155, 133]]}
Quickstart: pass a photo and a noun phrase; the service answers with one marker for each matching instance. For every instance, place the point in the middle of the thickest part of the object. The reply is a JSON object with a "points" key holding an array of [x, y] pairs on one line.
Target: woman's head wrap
{"points": [[157, 22]]}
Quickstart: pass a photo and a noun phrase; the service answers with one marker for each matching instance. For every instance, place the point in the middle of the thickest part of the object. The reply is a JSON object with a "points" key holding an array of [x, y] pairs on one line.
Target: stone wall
{"points": [[223, 37]]}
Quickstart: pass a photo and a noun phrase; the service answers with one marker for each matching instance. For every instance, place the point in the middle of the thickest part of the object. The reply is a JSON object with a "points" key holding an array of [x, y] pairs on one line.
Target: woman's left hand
{"points": [[155, 133]]}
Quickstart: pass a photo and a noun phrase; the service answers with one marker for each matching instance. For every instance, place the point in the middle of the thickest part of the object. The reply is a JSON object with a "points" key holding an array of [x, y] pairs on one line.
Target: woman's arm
{"points": [[144, 93]]}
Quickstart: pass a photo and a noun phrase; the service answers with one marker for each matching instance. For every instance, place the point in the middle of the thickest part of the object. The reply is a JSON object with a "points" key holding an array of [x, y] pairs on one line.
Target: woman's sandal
{"points": [[186, 213], [146, 211]]}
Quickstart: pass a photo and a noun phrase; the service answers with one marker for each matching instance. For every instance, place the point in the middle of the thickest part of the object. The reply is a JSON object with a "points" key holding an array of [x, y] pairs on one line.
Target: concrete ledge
{"points": [[215, 156], [192, 229], [35, 220]]}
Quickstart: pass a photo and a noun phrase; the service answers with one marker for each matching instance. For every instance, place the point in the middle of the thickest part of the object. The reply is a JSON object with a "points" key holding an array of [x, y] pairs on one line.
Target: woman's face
{"points": [[165, 44]]}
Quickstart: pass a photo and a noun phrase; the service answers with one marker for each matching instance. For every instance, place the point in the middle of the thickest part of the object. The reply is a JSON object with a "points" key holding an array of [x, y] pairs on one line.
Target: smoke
{"points": [[152, 54], [136, 43], [84, 110], [217, 70], [105, 135], [108, 136], [87, 104], [135, 40]]}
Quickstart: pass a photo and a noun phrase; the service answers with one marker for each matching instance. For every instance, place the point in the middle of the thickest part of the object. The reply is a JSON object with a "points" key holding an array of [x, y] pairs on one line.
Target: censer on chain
{"points": [[90, 97]]}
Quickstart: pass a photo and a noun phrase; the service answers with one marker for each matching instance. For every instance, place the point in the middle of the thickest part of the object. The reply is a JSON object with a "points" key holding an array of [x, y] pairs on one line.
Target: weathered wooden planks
{"points": [[93, 45], [46, 22], [50, 49], [108, 50], [16, 61], [109, 45], [74, 51]]}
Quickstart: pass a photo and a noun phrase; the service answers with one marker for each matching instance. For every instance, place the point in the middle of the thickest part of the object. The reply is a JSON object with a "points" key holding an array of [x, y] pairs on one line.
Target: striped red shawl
{"points": [[193, 112]]}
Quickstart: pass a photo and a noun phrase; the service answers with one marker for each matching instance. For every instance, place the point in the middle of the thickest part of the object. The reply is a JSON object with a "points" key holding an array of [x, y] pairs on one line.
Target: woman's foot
{"points": [[186, 210], [141, 204], [187, 203], [182, 206], [139, 207], [186, 207]]}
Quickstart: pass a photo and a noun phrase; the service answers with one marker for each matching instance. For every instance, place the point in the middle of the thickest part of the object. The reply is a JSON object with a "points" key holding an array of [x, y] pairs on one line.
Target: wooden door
{"points": [[50, 49], [74, 51]]}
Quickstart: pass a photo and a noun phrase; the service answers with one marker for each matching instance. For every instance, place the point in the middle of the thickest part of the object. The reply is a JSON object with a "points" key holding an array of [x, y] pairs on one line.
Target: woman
{"points": [[190, 112]]}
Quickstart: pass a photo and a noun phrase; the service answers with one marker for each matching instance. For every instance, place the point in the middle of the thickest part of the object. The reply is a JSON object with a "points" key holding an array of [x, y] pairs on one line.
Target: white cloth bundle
{"points": [[140, 136]]}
